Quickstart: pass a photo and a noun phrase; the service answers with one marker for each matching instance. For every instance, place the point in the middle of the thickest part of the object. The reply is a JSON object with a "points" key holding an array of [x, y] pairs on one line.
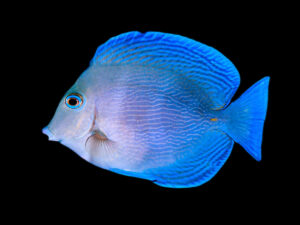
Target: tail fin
{"points": [[246, 116]]}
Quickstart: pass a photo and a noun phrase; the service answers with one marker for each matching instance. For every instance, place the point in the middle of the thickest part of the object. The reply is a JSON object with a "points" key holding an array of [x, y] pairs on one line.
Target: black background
{"points": [[61, 42]]}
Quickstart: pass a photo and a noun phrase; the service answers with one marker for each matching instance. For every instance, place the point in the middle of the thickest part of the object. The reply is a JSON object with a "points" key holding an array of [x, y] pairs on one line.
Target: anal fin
{"points": [[198, 167]]}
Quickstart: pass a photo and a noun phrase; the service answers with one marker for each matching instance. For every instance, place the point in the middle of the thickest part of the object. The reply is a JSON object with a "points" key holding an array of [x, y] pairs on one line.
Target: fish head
{"points": [[87, 121], [73, 120]]}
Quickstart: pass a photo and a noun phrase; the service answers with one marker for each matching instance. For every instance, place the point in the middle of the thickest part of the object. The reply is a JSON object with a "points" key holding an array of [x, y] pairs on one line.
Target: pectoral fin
{"points": [[98, 145]]}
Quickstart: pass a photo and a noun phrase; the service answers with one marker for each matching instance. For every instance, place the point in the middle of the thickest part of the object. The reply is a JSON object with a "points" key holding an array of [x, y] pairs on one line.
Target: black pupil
{"points": [[73, 101]]}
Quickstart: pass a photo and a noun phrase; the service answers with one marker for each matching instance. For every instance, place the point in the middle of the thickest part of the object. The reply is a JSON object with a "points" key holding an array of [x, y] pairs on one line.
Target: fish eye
{"points": [[74, 101]]}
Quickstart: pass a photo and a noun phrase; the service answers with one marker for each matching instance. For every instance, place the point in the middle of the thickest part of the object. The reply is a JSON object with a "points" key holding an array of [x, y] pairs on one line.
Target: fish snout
{"points": [[50, 135]]}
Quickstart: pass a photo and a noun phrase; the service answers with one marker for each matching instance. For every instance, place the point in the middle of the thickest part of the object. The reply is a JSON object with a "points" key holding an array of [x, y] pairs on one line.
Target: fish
{"points": [[157, 106]]}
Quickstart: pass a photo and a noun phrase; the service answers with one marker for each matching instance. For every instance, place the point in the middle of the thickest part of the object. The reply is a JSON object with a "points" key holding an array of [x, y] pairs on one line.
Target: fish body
{"points": [[157, 106]]}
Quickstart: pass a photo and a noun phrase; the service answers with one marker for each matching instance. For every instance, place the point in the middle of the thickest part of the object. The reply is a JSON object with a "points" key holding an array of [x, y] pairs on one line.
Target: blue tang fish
{"points": [[158, 106]]}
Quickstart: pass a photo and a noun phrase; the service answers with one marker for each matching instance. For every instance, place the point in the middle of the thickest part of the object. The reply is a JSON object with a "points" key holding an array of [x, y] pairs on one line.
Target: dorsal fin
{"points": [[204, 65]]}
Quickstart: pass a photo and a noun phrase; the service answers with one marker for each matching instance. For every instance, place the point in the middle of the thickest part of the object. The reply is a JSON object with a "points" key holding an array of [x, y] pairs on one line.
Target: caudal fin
{"points": [[246, 116]]}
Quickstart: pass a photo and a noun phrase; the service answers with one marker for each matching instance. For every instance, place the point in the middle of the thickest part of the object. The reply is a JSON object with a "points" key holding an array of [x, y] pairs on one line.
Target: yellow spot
{"points": [[219, 107], [213, 119]]}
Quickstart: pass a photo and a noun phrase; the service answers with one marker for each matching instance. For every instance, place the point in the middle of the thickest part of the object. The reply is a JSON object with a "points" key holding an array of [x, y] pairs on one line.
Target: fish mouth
{"points": [[51, 136]]}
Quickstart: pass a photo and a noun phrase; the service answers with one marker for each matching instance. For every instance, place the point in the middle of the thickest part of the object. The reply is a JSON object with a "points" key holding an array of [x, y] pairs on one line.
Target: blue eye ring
{"points": [[74, 101]]}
